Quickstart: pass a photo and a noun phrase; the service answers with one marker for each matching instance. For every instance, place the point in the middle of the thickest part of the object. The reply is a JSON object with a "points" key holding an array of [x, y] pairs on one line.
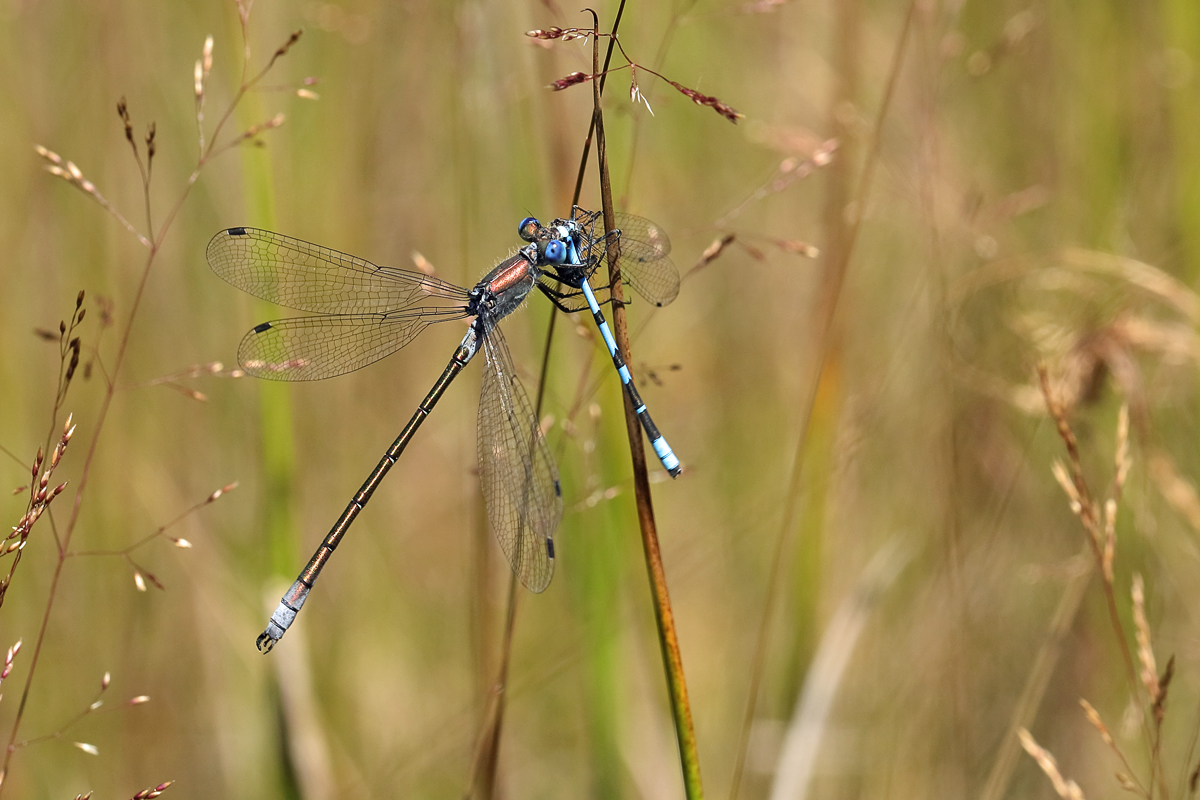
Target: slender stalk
{"points": [[685, 733], [84, 477], [153, 242], [841, 253]]}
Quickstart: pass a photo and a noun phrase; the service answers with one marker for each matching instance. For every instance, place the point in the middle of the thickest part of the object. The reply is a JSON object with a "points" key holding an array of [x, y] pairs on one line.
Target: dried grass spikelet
{"points": [[1149, 674], [1110, 539], [563, 34], [223, 490], [799, 247], [255, 130], [570, 80], [9, 657], [1067, 789], [1068, 486], [150, 794], [1094, 717], [707, 100], [1122, 461], [711, 253]]}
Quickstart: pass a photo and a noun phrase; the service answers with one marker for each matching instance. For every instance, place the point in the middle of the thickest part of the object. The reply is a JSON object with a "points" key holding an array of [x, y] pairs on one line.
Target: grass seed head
{"points": [[207, 56], [1145, 653], [149, 794], [570, 80], [1094, 717], [1067, 789]]}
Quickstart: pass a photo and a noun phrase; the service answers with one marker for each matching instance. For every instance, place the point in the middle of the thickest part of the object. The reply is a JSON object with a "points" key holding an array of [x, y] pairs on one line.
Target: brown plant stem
{"points": [[153, 243], [685, 733]]}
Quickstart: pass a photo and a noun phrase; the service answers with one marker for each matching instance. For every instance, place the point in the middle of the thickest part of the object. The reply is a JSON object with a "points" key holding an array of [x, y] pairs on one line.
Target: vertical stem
{"points": [[677, 687]]}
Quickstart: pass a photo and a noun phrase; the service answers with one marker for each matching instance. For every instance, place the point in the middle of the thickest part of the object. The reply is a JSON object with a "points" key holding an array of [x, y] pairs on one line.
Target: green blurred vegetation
{"points": [[1017, 130]]}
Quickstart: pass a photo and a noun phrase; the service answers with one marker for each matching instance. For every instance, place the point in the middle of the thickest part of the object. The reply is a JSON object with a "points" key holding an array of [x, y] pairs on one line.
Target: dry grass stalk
{"points": [[140, 574], [1101, 529], [70, 173], [789, 171], [1127, 783], [96, 705], [40, 499], [635, 92], [213, 369], [1078, 494], [152, 240], [1067, 789]]}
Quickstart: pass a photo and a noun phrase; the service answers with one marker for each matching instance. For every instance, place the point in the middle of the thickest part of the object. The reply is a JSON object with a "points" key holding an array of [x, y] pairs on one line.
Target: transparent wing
{"points": [[645, 249], [313, 348], [651, 239], [309, 277], [517, 473]]}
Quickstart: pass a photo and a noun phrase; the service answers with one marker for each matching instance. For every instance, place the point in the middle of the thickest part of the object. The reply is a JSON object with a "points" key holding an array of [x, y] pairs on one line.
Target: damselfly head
{"points": [[528, 229], [554, 251]]}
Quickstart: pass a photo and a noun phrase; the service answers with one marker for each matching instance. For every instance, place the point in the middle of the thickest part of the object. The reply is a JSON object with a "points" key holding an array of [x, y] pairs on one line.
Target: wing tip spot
{"points": [[236, 231], [262, 328], [550, 548]]}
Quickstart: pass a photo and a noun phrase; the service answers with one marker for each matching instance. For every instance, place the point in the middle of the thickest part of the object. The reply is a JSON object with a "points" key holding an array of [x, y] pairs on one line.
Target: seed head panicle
{"points": [[1066, 789], [1145, 653], [707, 100], [150, 794], [123, 113], [561, 34]]}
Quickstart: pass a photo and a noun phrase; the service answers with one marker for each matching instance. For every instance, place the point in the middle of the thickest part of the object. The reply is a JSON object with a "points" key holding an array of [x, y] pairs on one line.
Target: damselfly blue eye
{"points": [[528, 229], [556, 251]]}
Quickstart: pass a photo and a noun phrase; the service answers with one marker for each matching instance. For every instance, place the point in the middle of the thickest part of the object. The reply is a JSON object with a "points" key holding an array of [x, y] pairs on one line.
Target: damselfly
{"points": [[365, 312]]}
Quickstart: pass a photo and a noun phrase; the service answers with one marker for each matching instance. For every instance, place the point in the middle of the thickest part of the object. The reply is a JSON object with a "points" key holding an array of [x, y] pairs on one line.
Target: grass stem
{"points": [[685, 733]]}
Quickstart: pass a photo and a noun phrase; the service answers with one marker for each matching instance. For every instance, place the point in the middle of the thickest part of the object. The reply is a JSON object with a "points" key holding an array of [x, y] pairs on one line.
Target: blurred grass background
{"points": [[1016, 130]]}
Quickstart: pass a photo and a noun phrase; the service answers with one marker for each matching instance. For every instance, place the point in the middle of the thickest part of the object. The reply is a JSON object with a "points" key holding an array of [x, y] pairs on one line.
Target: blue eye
{"points": [[528, 229], [556, 251]]}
